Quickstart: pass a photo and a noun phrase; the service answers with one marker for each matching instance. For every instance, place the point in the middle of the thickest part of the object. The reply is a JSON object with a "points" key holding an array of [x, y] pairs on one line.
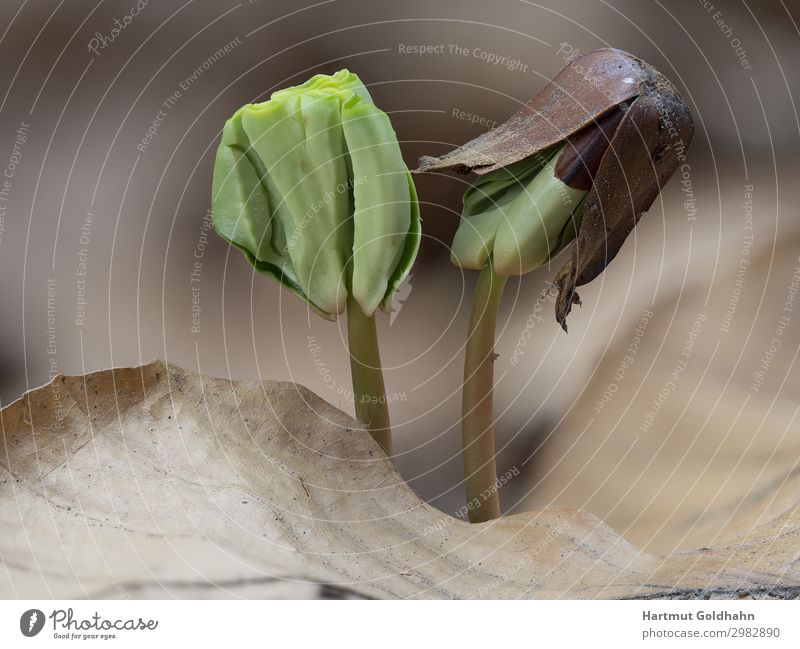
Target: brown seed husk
{"points": [[644, 152], [637, 164]]}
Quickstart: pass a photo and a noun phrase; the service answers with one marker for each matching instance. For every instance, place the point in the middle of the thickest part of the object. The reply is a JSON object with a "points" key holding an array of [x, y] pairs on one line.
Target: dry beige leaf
{"points": [[154, 481]]}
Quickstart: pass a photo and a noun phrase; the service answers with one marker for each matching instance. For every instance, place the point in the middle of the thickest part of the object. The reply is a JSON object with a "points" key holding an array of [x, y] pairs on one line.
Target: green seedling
{"points": [[311, 186]]}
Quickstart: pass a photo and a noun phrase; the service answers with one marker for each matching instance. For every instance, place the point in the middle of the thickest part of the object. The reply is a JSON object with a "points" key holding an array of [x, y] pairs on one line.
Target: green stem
{"points": [[369, 392], [477, 423]]}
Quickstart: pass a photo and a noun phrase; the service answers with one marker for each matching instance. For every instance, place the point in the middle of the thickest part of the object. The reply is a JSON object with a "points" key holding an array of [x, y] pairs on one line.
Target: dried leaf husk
{"points": [[646, 146]]}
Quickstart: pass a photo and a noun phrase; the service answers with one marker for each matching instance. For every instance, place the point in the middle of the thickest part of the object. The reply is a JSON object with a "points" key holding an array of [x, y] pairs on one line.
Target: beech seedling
{"points": [[312, 187], [580, 162]]}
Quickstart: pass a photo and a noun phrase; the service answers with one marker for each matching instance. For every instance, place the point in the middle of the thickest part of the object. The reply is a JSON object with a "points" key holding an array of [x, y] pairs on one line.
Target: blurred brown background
{"points": [[108, 175]]}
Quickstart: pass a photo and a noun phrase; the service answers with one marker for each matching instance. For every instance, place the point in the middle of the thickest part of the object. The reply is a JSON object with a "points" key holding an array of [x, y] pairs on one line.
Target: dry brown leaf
{"points": [[155, 481]]}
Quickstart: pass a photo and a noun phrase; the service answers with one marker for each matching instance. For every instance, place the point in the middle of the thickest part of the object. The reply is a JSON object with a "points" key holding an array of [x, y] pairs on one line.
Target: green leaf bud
{"points": [[519, 217], [312, 187]]}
